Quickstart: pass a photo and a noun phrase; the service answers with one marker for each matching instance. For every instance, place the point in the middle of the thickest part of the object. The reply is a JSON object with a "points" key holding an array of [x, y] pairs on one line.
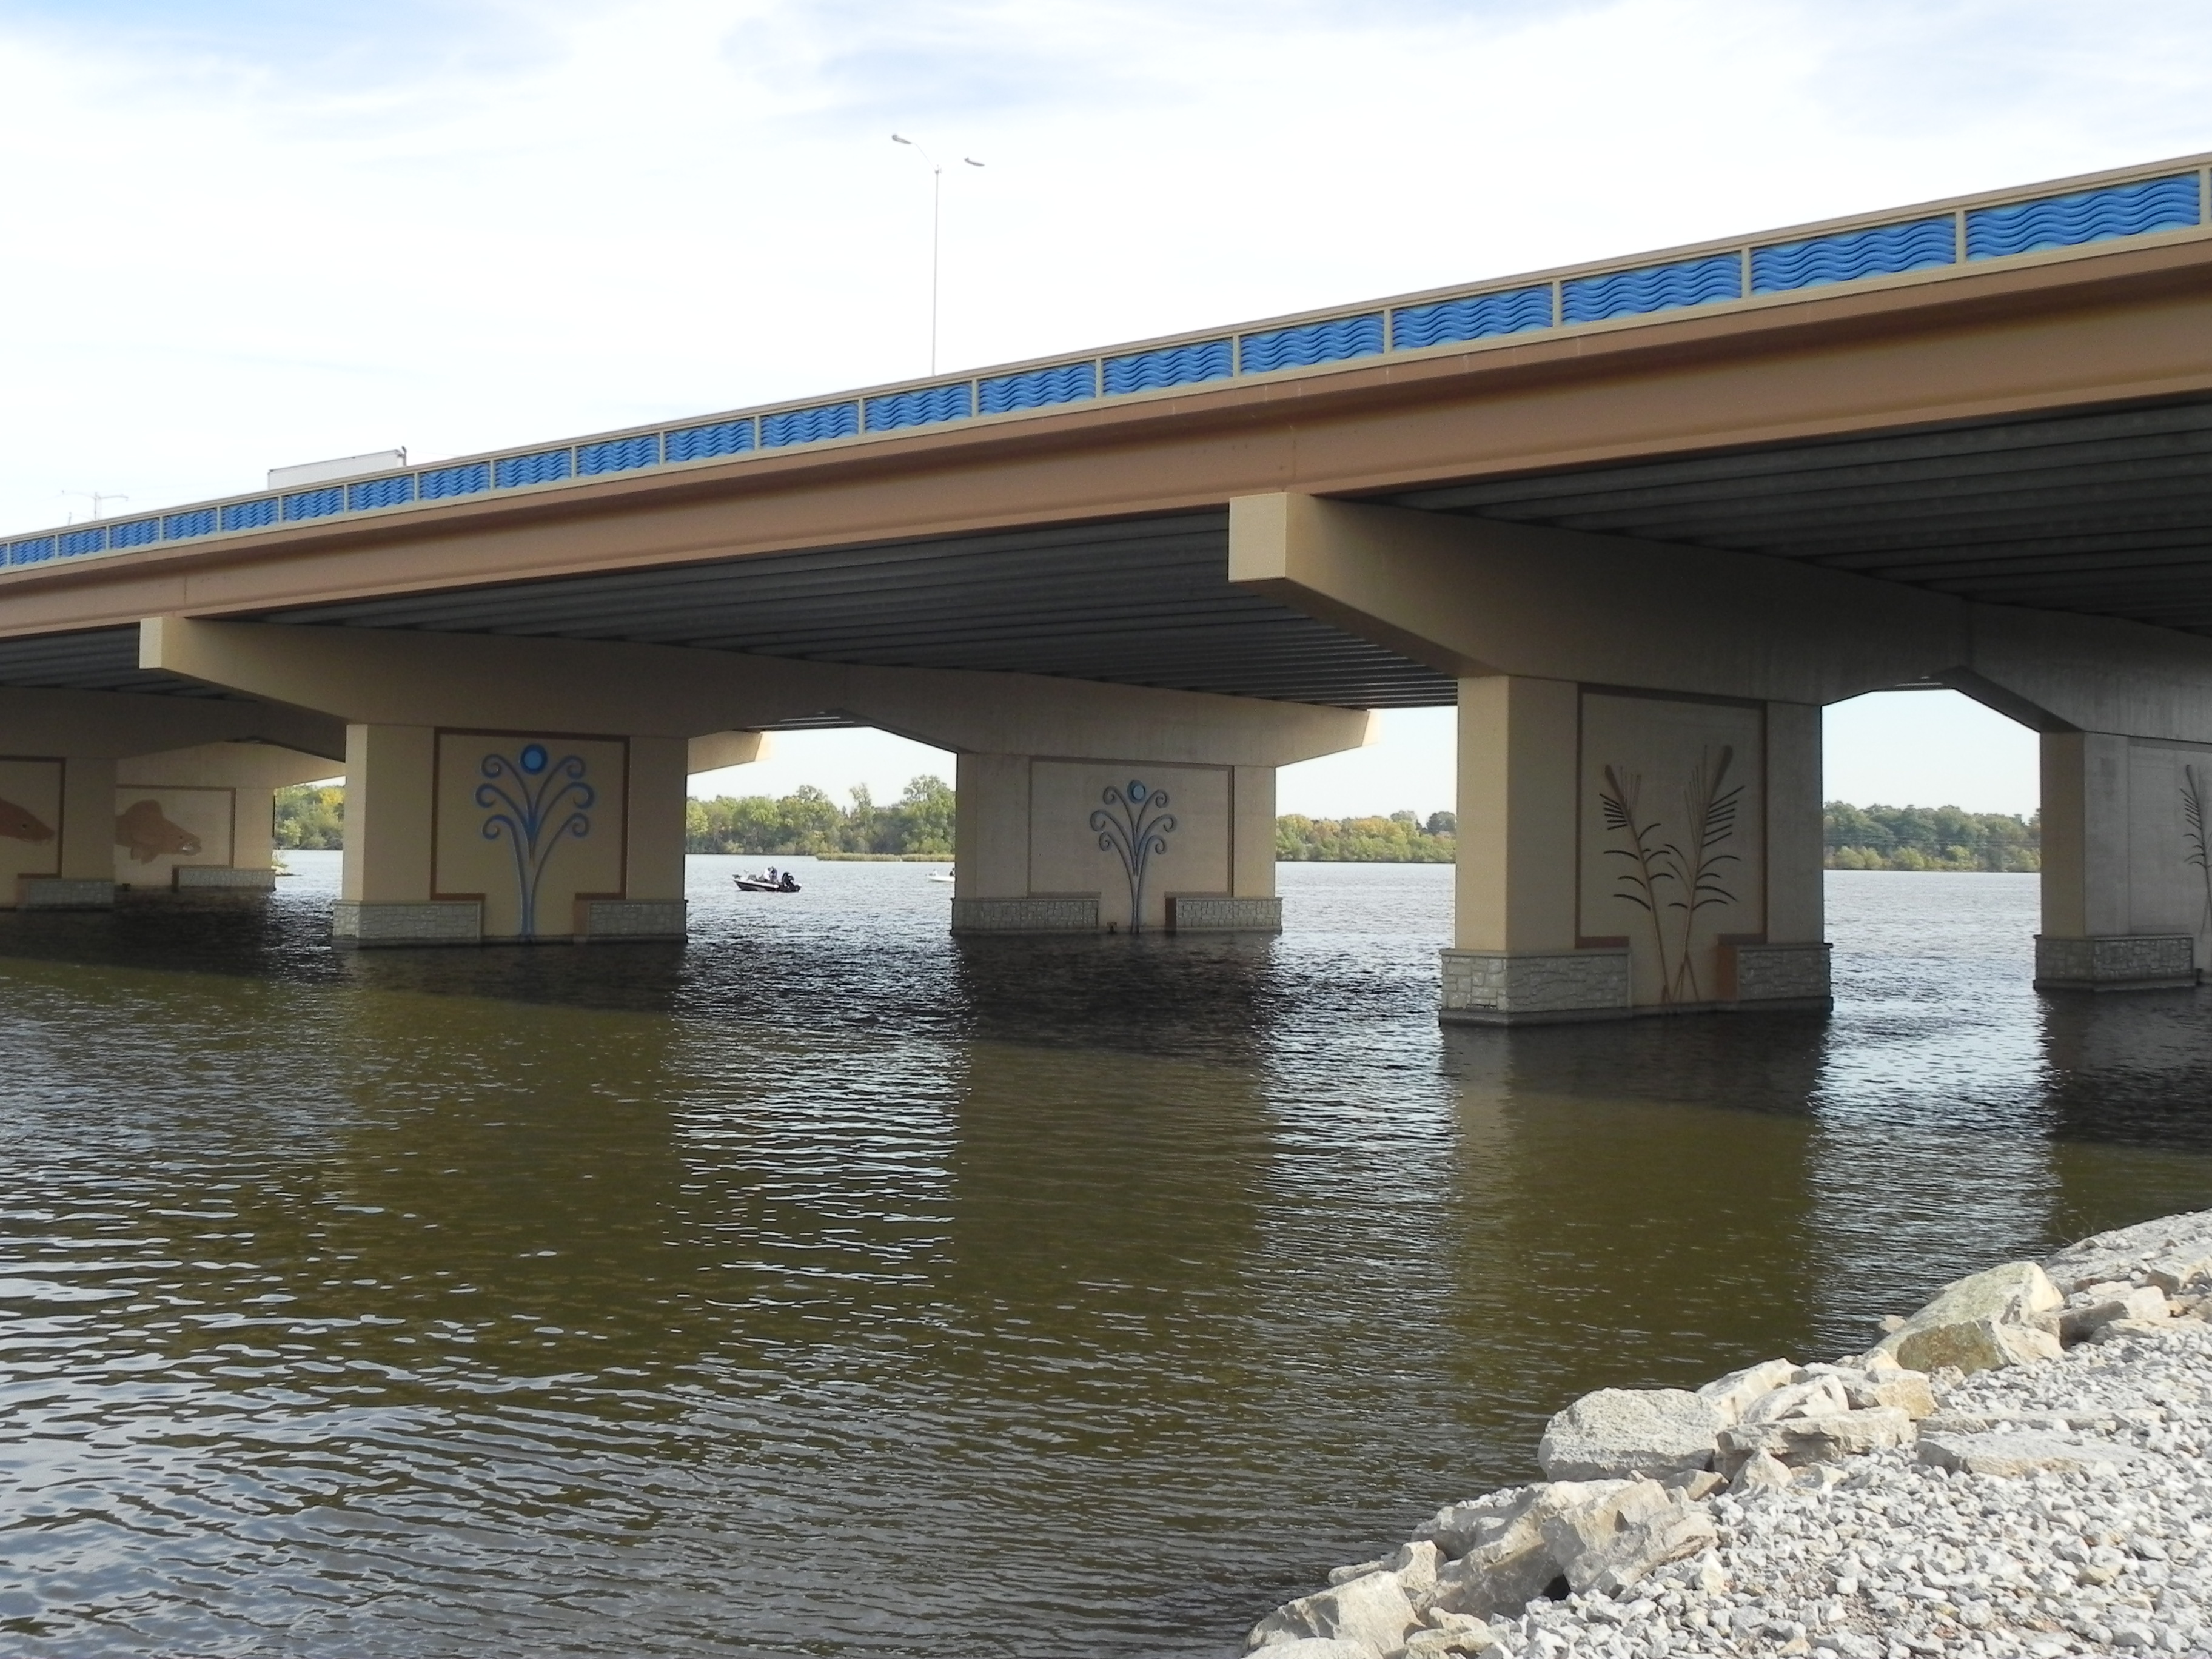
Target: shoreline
{"points": [[2017, 1469]]}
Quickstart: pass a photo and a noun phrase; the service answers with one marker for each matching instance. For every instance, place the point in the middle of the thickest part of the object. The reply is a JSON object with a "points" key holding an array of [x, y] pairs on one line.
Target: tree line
{"points": [[1930, 838], [808, 821], [1401, 838], [920, 822]]}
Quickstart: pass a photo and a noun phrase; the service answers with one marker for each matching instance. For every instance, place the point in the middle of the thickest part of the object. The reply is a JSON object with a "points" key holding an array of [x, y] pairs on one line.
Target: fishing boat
{"points": [[766, 882], [939, 875]]}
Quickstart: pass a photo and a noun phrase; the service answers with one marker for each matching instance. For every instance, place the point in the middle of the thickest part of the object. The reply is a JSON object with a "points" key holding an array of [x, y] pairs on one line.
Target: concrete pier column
{"points": [[56, 818], [1052, 845], [463, 837], [2127, 874], [1625, 852]]}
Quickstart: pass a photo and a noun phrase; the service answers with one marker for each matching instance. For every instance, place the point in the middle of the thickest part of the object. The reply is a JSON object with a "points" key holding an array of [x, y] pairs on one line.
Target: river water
{"points": [[832, 1286]]}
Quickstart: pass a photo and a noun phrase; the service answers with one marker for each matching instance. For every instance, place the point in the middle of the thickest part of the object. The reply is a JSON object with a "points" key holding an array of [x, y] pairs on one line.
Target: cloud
{"points": [[254, 234]]}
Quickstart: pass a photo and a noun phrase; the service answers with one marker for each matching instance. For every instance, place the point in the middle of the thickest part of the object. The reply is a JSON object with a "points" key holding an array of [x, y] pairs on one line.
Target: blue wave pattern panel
{"points": [[701, 443], [618, 455], [314, 503], [1309, 344], [810, 425], [2092, 216], [1070, 383], [76, 543], [138, 532], [1182, 365], [380, 492], [250, 515], [36, 550], [1652, 287], [546, 466], [1882, 252], [183, 527], [925, 407], [440, 483], [1477, 317]]}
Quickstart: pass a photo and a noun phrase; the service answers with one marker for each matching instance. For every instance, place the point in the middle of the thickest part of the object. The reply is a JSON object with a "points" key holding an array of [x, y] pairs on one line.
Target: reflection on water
{"points": [[832, 1286]]}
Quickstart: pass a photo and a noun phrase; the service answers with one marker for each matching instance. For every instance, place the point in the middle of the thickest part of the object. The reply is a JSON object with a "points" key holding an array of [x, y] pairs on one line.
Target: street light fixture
{"points": [[97, 497], [936, 224]]}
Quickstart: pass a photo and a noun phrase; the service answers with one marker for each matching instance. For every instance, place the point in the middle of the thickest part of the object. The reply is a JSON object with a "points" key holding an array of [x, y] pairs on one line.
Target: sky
{"points": [[250, 234]]}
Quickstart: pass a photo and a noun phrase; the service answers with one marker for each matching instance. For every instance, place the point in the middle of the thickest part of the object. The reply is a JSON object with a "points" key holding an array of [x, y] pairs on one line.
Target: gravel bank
{"points": [[2017, 1469]]}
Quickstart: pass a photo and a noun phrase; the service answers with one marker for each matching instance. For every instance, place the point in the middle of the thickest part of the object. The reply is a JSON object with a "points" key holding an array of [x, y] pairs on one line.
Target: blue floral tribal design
{"points": [[528, 797], [1132, 825]]}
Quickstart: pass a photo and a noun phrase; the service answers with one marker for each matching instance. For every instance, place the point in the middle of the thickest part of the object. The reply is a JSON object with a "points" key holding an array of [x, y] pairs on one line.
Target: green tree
{"points": [[310, 817], [1401, 838], [808, 821], [1930, 838]]}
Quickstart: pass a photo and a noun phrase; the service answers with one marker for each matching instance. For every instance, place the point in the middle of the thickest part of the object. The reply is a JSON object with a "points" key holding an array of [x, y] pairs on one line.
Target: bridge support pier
{"points": [[58, 772], [1627, 852], [474, 812], [57, 817], [1049, 845], [461, 838], [2127, 871], [202, 819]]}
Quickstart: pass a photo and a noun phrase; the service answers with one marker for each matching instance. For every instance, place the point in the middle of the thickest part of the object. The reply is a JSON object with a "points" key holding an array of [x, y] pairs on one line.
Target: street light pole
{"points": [[936, 230]]}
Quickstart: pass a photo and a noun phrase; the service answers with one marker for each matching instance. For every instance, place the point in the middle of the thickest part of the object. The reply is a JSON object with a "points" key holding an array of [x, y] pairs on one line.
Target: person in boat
{"points": [[771, 875]]}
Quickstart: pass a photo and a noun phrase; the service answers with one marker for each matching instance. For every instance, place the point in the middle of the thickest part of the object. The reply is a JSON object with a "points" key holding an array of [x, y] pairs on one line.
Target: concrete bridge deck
{"points": [[1781, 469]]}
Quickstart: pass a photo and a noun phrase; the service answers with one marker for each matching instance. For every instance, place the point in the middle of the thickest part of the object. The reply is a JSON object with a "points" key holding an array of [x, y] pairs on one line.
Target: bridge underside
{"points": [[2102, 513]]}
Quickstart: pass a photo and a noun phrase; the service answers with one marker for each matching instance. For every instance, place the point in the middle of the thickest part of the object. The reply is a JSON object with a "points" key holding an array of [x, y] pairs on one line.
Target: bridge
{"points": [[1639, 519]]}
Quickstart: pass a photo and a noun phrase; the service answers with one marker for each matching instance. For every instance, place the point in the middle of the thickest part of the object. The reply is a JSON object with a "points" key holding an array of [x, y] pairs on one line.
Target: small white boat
{"points": [[940, 875]]}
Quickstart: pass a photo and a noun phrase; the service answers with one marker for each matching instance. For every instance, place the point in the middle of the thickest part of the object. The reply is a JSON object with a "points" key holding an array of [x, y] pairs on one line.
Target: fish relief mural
{"points": [[528, 825], [1673, 856], [21, 823], [157, 829], [30, 822]]}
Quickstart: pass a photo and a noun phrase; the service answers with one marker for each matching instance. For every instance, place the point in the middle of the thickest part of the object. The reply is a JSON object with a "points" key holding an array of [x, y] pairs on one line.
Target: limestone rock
{"points": [[1372, 1610], [1695, 1484], [1486, 1522], [1319, 1647], [1798, 1441], [1730, 1395], [1975, 1344], [1571, 1533], [1507, 1564], [1473, 1636], [1635, 1551], [1819, 1396], [1909, 1391], [1616, 1433], [2107, 1303], [1982, 1322], [1614, 1542], [2022, 1454], [1761, 1471], [1415, 1566], [2173, 1252]]}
